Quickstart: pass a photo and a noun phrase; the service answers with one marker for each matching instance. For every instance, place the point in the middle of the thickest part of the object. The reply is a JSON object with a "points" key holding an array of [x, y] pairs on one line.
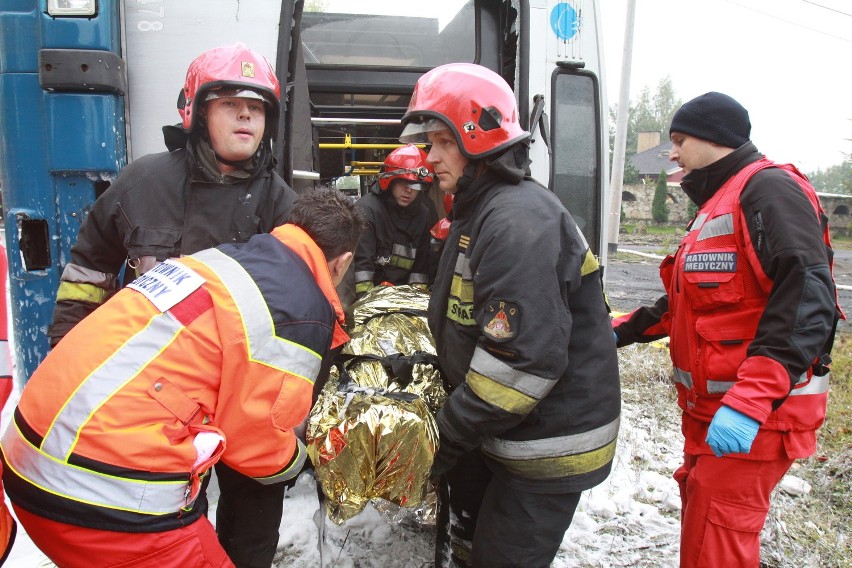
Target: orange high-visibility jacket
{"points": [[7, 523], [209, 357]]}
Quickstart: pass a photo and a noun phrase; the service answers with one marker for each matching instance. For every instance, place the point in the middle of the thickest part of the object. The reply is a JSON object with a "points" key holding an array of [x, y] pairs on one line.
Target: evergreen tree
{"points": [[652, 112], [835, 179], [659, 208]]}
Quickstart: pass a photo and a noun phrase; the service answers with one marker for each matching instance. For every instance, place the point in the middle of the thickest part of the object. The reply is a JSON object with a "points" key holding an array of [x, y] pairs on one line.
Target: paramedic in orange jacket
{"points": [[7, 523], [750, 309], [209, 357]]}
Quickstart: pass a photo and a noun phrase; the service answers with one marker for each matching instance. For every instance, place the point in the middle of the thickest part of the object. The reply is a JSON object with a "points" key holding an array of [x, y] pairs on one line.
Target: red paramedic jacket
{"points": [[717, 297]]}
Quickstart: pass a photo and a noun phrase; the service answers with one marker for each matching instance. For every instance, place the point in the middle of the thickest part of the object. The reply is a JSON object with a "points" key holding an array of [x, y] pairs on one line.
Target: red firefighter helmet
{"points": [[235, 71], [409, 163], [475, 103]]}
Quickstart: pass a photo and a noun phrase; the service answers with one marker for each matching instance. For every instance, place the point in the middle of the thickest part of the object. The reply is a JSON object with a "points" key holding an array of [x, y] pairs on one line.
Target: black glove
{"points": [[446, 457]]}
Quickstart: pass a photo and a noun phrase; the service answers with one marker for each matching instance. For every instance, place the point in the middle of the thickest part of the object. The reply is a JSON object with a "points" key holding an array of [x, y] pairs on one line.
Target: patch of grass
{"points": [[813, 530], [841, 241], [810, 530]]}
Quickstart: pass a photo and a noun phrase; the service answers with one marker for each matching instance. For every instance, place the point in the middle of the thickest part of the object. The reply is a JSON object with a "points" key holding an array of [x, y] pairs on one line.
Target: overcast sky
{"points": [[789, 62]]}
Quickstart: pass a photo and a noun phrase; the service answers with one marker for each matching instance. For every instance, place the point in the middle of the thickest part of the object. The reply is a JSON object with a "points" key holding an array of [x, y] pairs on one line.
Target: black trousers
{"points": [[248, 517], [506, 527]]}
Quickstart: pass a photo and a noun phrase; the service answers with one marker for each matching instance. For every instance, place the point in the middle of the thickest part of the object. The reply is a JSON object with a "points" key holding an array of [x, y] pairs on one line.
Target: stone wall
{"points": [[636, 202]]}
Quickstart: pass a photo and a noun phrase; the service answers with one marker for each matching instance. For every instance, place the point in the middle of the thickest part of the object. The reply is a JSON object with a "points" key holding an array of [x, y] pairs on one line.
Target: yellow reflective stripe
{"points": [[264, 345], [490, 366], [590, 264], [556, 446], [459, 312], [76, 292], [571, 454], [401, 262], [461, 288], [292, 470], [499, 395], [363, 287], [76, 483], [563, 466]]}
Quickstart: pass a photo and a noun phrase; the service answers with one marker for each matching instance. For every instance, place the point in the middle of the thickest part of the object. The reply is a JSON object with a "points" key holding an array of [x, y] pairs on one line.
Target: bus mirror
{"points": [[72, 7]]}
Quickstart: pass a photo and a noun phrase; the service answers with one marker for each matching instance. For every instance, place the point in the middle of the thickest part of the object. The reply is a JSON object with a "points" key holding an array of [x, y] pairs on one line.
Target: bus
{"points": [[86, 86]]}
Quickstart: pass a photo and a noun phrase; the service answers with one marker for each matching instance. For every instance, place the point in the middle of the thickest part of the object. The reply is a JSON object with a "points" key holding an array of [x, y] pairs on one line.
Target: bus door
{"points": [[62, 105], [567, 106]]}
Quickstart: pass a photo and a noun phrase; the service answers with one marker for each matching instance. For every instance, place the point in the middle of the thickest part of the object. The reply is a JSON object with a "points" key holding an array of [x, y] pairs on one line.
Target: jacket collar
{"points": [[701, 184], [299, 242]]}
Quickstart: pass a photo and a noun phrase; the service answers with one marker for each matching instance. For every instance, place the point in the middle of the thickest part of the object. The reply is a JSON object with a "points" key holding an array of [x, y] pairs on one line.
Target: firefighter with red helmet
{"points": [[395, 249], [521, 328], [210, 358], [216, 185]]}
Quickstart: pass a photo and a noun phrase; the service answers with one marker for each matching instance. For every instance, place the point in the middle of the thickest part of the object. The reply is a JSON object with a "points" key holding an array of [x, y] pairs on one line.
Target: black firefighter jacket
{"points": [[396, 246], [161, 206], [524, 337]]}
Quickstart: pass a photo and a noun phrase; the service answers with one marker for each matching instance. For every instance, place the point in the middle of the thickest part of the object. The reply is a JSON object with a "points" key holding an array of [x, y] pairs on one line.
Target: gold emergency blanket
{"points": [[372, 434]]}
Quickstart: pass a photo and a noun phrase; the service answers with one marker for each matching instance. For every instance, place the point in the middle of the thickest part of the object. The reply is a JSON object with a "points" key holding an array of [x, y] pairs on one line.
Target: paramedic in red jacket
{"points": [[209, 357], [750, 309]]}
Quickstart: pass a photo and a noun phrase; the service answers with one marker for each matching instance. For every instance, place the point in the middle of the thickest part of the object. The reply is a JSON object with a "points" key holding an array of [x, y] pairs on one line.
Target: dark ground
{"points": [[633, 280]]}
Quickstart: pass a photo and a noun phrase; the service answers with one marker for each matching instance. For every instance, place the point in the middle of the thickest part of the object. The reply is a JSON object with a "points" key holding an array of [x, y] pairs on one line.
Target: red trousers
{"points": [[193, 546], [725, 501]]}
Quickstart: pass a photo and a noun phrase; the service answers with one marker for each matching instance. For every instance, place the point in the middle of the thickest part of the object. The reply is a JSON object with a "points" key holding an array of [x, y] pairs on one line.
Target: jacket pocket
{"points": [[666, 273], [735, 516], [711, 279], [723, 341], [159, 242]]}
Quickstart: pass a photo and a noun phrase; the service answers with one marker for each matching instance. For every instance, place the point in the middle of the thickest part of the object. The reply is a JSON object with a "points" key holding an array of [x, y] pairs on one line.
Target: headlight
{"points": [[72, 7]]}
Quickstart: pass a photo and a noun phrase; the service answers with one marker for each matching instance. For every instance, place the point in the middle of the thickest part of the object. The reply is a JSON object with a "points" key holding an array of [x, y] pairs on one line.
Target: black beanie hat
{"points": [[714, 117]]}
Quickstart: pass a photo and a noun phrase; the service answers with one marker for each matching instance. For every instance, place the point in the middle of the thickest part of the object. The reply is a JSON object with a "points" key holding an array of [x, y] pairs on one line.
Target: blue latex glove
{"points": [[731, 432]]}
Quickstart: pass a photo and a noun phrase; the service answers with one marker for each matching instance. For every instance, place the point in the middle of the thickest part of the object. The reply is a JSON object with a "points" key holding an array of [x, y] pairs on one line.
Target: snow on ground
{"points": [[629, 520]]}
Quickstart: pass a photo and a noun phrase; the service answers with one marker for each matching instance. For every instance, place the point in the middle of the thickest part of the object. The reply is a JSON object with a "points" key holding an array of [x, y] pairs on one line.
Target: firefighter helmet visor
{"points": [[235, 92], [417, 131]]}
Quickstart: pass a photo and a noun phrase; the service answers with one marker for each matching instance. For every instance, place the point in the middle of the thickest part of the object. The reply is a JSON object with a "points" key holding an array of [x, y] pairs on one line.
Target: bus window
{"points": [[576, 162], [384, 34]]}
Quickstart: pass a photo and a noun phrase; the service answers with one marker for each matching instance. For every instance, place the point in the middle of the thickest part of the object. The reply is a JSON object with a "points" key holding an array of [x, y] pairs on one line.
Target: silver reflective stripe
{"points": [[699, 222], [718, 226], [683, 377], [818, 385], [77, 273], [5, 360], [489, 366], [78, 484], [364, 276], [553, 447], [418, 278], [405, 252], [106, 380], [718, 387], [264, 346], [463, 267]]}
